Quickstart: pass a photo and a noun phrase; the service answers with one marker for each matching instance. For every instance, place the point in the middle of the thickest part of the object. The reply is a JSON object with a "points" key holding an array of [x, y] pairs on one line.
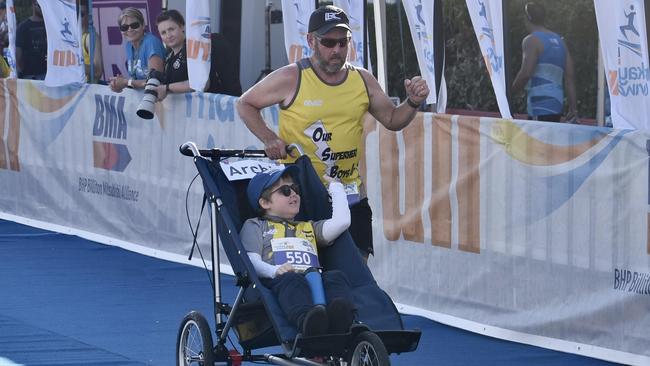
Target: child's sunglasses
{"points": [[286, 189], [125, 27]]}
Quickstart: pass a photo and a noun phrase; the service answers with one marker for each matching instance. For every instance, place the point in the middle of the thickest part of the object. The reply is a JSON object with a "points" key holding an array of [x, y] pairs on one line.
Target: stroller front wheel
{"points": [[368, 350], [194, 342]]}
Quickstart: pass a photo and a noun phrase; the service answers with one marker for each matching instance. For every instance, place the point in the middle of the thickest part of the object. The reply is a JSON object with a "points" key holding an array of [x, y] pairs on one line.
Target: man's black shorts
{"points": [[361, 226]]}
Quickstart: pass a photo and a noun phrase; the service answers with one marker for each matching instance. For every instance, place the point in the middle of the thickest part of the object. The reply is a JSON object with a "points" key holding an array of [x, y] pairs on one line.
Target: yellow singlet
{"points": [[326, 120]]}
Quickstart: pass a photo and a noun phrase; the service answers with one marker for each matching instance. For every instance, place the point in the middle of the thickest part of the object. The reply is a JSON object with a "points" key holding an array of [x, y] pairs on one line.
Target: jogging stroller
{"points": [[255, 315]]}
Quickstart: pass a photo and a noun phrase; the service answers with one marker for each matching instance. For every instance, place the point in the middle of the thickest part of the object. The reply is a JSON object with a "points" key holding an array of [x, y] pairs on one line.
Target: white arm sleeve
{"points": [[340, 220], [263, 269]]}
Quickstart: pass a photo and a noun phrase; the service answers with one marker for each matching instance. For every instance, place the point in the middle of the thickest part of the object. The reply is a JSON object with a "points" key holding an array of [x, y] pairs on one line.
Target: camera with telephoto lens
{"points": [[147, 105]]}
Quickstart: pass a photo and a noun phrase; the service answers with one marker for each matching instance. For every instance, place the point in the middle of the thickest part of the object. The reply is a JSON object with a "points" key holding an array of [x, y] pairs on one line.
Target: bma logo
{"points": [[493, 62], [630, 79], [110, 122]]}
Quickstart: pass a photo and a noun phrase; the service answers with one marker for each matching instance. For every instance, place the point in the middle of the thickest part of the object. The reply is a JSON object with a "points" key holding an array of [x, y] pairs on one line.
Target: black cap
{"points": [[325, 18]]}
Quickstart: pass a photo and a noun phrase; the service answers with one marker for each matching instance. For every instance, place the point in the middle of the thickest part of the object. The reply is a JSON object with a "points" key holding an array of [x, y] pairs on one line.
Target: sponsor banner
{"points": [[514, 225], [354, 10], [105, 14], [295, 17], [10, 51], [487, 19], [65, 63], [420, 17], [622, 33], [198, 42]]}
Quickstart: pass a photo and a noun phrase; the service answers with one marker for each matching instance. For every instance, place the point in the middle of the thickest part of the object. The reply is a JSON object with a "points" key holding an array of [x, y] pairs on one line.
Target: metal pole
{"points": [[91, 48], [380, 40], [600, 96], [216, 276]]}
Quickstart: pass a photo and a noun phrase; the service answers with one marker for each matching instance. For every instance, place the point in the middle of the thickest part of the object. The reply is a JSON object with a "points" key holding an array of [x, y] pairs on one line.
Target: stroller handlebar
{"points": [[189, 149]]}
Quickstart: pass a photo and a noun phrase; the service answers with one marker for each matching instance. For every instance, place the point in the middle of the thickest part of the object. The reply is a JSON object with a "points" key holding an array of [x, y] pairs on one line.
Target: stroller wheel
{"points": [[194, 342], [368, 350]]}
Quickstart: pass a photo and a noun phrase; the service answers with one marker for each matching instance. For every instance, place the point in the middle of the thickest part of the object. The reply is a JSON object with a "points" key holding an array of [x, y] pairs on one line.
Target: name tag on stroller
{"points": [[247, 168], [299, 252]]}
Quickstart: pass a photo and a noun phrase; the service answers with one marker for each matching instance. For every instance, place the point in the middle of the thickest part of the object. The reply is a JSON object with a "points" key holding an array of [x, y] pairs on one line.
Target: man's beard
{"points": [[329, 67]]}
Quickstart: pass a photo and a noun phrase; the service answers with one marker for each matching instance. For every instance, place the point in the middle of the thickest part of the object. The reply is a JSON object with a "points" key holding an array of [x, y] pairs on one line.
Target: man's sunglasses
{"points": [[286, 189], [331, 42], [125, 27]]}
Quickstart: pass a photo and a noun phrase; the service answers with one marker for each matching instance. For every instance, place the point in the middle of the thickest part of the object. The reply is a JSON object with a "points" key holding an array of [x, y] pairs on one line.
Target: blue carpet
{"points": [[68, 301]]}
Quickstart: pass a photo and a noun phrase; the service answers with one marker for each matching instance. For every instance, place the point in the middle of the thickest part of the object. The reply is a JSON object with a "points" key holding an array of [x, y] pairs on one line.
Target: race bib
{"points": [[299, 252], [352, 192]]}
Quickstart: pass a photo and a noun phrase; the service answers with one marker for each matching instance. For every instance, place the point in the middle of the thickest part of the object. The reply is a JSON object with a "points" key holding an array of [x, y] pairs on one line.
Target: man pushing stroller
{"points": [[284, 253]]}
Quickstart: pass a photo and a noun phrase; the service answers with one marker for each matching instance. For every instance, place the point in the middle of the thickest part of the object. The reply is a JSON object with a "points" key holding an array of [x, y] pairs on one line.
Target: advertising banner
{"points": [[520, 230], [65, 63], [355, 11], [295, 16], [624, 40], [197, 28], [487, 19]]}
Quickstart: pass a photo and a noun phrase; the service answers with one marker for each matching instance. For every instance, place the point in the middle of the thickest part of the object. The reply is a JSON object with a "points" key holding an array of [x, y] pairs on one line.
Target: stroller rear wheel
{"points": [[368, 350], [194, 342]]}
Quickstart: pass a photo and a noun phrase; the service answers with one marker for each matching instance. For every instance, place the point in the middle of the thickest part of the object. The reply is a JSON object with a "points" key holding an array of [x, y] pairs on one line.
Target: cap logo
{"points": [[330, 16]]}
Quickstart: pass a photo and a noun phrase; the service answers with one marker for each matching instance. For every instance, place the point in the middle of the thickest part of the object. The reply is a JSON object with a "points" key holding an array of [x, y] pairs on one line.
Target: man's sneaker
{"points": [[341, 314]]}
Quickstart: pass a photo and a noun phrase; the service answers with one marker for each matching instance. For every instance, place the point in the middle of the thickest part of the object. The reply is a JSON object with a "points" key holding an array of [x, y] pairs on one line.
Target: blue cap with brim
{"points": [[262, 181]]}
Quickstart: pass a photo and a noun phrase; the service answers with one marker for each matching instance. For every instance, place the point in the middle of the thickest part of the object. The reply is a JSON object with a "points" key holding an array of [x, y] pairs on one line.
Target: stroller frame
{"points": [[360, 346]]}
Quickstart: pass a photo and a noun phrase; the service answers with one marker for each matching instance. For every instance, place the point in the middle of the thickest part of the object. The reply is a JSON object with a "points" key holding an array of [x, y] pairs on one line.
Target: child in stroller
{"points": [[284, 253]]}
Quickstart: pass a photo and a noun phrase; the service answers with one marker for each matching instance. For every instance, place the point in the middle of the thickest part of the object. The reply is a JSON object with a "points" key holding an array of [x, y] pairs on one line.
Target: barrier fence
{"points": [[528, 231]]}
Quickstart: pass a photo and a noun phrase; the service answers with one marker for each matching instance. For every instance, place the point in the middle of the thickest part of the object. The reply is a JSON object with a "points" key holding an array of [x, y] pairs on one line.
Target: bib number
{"points": [[299, 252], [352, 192]]}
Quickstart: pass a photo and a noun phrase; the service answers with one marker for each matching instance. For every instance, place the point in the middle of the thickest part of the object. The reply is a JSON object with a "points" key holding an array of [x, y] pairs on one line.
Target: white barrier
{"points": [[527, 231]]}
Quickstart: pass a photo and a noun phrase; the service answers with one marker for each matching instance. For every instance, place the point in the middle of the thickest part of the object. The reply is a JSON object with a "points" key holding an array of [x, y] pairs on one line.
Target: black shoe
{"points": [[315, 322], [341, 314]]}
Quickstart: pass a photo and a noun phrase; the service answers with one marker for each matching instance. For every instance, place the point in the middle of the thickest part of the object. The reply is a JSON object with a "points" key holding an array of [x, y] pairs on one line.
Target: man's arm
{"points": [[277, 87], [569, 84], [391, 117], [530, 54]]}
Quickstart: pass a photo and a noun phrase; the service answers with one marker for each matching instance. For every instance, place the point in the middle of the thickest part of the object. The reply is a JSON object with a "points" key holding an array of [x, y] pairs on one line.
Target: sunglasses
{"points": [[331, 42], [125, 27], [286, 189]]}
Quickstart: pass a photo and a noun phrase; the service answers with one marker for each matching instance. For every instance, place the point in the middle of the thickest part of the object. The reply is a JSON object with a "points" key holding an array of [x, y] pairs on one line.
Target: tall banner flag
{"points": [[354, 10], [64, 59], [198, 42], [487, 19], [10, 51], [624, 39], [295, 14], [420, 15]]}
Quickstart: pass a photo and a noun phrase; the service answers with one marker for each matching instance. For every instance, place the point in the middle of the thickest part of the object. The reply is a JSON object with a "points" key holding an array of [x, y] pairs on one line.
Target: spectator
{"points": [[4, 29], [31, 46], [144, 51], [223, 76], [98, 64], [545, 63]]}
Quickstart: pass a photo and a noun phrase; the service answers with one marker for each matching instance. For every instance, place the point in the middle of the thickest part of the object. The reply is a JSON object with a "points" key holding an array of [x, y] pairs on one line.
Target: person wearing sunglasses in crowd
{"points": [[144, 51], [98, 64], [322, 103], [223, 76], [284, 252]]}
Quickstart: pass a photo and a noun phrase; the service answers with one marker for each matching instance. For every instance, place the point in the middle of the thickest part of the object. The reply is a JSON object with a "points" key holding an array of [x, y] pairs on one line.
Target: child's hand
{"points": [[287, 267]]}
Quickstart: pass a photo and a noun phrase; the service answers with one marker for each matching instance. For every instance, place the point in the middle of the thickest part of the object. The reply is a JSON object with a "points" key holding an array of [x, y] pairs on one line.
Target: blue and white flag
{"points": [[295, 14], [198, 35], [10, 51], [64, 58], [624, 40], [420, 15], [354, 11], [487, 18]]}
